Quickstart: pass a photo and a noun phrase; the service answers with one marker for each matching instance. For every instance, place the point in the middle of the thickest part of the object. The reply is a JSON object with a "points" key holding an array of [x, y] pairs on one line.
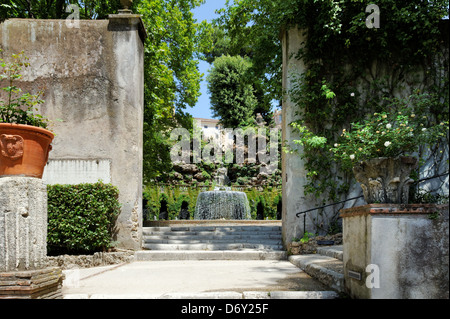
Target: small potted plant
{"points": [[24, 139], [381, 148]]}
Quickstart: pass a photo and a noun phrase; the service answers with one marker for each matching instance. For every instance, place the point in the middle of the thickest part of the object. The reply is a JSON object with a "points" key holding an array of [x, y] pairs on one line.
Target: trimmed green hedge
{"points": [[175, 195], [81, 217]]}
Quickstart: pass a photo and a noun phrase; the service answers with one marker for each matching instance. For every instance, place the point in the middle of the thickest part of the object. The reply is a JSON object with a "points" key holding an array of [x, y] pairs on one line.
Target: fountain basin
{"points": [[229, 205]]}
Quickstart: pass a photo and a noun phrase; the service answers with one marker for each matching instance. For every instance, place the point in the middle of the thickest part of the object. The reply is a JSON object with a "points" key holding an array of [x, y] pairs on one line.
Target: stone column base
{"points": [[32, 284], [23, 224]]}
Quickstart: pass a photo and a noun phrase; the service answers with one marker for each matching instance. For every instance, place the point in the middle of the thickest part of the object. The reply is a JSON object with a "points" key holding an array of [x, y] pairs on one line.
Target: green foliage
{"points": [[422, 196], [81, 218], [232, 96], [248, 28], [175, 195], [171, 77], [56, 9], [385, 63], [306, 237], [307, 139], [399, 132], [269, 197], [330, 94], [18, 107]]}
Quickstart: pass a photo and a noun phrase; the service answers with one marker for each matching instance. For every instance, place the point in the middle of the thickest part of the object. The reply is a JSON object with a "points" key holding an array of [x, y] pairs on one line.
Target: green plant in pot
{"points": [[382, 148], [24, 139]]}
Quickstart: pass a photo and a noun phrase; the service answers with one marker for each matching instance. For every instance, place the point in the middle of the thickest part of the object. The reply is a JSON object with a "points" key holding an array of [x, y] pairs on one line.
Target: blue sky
{"points": [[204, 12]]}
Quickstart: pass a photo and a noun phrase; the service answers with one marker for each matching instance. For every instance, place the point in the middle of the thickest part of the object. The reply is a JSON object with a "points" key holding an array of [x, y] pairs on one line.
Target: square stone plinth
{"points": [[396, 251]]}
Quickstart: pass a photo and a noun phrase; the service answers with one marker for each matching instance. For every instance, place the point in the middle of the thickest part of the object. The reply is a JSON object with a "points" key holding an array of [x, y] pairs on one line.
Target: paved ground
{"points": [[220, 279]]}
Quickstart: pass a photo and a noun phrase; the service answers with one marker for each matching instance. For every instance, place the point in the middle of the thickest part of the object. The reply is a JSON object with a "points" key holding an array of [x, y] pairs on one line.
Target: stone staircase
{"points": [[251, 240], [212, 240], [326, 265]]}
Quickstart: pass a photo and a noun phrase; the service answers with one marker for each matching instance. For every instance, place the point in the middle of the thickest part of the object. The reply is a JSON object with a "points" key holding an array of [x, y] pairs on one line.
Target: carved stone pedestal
{"points": [[385, 179], [23, 240]]}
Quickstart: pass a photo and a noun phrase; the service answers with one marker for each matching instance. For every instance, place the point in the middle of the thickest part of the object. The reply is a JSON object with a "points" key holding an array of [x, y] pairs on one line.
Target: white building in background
{"points": [[235, 144], [212, 130], [209, 127]]}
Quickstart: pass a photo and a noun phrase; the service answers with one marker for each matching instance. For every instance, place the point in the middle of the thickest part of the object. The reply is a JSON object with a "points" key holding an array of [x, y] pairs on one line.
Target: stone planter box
{"points": [[394, 251]]}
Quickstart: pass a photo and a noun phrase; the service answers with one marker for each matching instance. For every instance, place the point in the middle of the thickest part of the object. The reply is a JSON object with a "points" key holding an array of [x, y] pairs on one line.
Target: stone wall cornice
{"points": [[127, 22], [392, 209]]}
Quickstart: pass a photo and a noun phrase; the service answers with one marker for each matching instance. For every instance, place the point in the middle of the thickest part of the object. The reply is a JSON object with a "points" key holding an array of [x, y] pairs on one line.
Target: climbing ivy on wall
{"points": [[353, 70]]}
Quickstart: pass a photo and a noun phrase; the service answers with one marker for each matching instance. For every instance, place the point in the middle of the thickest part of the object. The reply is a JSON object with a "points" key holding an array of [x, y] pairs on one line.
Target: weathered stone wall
{"points": [[93, 81], [293, 171], [293, 167]]}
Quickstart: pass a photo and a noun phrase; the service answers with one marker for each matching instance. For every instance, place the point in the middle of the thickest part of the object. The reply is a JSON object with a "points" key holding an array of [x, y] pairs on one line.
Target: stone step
{"points": [[212, 240], [209, 234], [167, 255], [335, 251], [328, 270], [212, 246], [212, 237], [195, 240], [210, 229], [290, 295]]}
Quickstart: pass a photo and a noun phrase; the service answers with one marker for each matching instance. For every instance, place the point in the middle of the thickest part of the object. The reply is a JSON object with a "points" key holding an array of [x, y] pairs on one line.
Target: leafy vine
{"points": [[352, 71]]}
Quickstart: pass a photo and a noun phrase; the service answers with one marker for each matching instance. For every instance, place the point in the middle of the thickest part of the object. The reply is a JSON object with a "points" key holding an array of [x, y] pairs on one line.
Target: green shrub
{"points": [[81, 217], [175, 195]]}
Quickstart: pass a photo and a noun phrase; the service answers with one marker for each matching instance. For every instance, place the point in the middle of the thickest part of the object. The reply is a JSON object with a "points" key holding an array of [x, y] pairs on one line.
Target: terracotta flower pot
{"points": [[385, 179], [24, 150]]}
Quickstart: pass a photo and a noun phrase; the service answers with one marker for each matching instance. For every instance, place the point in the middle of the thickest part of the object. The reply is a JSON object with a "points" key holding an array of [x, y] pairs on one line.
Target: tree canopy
{"points": [[57, 9], [244, 29], [172, 78], [232, 96]]}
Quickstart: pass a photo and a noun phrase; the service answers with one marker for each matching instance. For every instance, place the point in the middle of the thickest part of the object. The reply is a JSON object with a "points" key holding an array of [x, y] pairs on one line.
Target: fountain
{"points": [[222, 202]]}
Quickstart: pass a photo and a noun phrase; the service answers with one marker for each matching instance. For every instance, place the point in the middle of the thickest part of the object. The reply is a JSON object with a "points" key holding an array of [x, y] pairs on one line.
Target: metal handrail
{"points": [[353, 198], [316, 208]]}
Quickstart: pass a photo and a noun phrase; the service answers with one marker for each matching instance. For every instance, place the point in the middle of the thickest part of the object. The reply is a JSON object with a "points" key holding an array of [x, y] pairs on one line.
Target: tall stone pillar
{"points": [[293, 167], [23, 241]]}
